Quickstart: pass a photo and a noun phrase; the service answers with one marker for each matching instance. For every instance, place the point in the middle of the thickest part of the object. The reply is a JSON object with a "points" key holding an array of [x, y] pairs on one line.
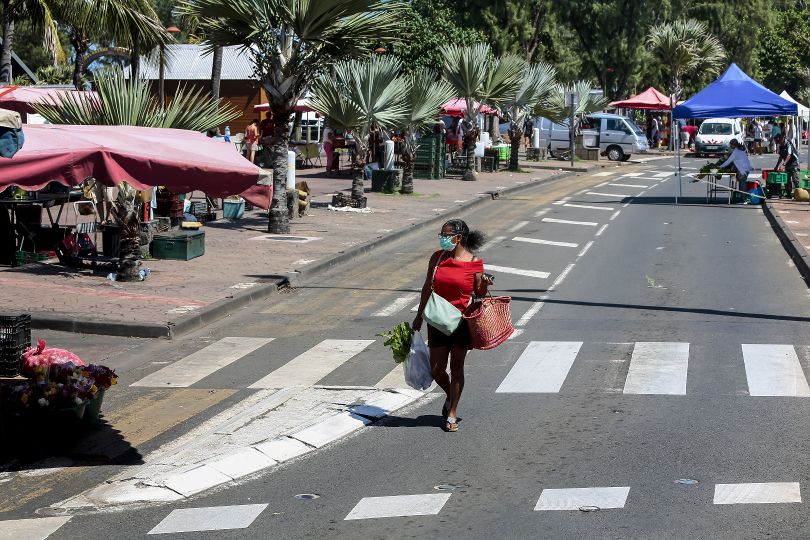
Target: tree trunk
{"points": [[407, 170], [469, 149], [279, 222], [216, 72], [358, 172], [7, 47], [297, 125], [515, 135], [494, 131], [135, 59], [129, 230]]}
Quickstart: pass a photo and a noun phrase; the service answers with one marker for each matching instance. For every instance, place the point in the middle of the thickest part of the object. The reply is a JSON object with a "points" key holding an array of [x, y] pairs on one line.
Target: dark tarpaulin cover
{"points": [[734, 95]]}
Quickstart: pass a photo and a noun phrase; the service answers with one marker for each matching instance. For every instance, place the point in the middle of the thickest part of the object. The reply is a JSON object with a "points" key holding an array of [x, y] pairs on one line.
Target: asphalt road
{"points": [[628, 372]]}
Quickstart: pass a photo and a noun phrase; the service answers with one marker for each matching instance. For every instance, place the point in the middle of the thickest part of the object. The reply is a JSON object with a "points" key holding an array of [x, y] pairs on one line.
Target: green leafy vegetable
{"points": [[399, 341]]}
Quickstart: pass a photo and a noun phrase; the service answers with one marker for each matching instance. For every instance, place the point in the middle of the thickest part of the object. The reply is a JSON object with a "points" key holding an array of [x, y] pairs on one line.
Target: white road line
{"points": [[774, 370], [396, 379], [561, 277], [517, 226], [31, 529], [662, 174], [600, 231], [574, 499], [395, 306], [628, 185], [402, 505], [415, 308], [606, 173], [544, 242], [561, 201], [308, 368], [585, 249], [532, 311], [542, 212], [633, 174], [658, 368], [761, 493], [642, 193], [567, 222], [625, 205], [608, 194], [581, 191], [516, 271], [515, 333], [615, 215], [602, 184], [214, 518], [542, 368], [203, 363], [589, 207], [491, 242]]}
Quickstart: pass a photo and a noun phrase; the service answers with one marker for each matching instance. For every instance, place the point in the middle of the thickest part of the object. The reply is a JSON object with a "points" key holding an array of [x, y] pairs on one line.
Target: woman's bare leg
{"points": [[438, 368], [457, 357]]}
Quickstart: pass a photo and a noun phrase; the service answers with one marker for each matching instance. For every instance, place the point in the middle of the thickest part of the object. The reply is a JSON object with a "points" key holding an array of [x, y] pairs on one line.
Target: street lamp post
{"points": [[572, 100]]}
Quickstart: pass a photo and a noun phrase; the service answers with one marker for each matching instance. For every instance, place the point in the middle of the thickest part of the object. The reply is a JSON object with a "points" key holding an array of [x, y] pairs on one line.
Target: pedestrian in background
{"points": [[252, 140], [757, 136], [654, 137], [528, 131], [454, 273], [790, 157]]}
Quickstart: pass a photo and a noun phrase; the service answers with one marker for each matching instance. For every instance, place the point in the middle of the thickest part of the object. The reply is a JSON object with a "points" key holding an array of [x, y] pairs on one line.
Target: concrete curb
{"points": [[793, 247], [222, 308]]}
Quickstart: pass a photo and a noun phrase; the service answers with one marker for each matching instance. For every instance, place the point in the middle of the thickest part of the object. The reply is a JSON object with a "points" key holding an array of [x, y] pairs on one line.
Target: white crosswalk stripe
{"points": [[578, 498], [662, 174], [542, 368], [308, 368], [396, 506], [608, 194], [589, 207], [31, 529], [516, 271], [394, 307], [774, 370], [215, 518], [658, 368], [628, 185], [569, 222], [544, 242], [758, 493], [203, 363]]}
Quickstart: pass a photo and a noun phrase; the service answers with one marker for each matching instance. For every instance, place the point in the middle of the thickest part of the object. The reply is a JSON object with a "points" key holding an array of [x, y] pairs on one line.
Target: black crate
{"points": [[15, 338], [111, 240]]}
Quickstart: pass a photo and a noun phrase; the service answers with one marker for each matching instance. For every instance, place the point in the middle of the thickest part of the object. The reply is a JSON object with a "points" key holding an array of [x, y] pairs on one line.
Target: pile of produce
{"points": [[399, 340], [712, 168]]}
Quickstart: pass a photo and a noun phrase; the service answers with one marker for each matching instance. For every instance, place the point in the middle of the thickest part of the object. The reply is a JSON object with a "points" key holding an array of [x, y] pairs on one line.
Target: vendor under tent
{"points": [[733, 95], [180, 160], [804, 114], [458, 108], [20, 98]]}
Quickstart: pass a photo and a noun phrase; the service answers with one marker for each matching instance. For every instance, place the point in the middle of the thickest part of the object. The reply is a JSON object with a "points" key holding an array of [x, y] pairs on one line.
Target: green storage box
{"points": [[179, 245], [777, 178]]}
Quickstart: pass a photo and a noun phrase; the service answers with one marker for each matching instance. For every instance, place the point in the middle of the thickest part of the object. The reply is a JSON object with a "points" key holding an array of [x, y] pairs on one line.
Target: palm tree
{"points": [[479, 79], [126, 102], [366, 93], [425, 96], [292, 42], [685, 47], [196, 27], [537, 83], [36, 12], [555, 109]]}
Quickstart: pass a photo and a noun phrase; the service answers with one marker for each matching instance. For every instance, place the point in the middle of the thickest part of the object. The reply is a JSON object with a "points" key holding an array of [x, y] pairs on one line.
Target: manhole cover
{"points": [[289, 238], [589, 508], [447, 487], [687, 481], [307, 496], [48, 511]]}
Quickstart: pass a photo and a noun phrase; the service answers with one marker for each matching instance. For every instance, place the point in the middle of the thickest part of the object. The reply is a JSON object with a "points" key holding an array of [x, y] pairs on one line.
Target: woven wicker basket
{"points": [[490, 322]]}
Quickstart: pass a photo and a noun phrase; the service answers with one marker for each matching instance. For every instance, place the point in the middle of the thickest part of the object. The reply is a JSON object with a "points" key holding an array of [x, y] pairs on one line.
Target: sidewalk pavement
{"points": [[791, 220], [242, 263]]}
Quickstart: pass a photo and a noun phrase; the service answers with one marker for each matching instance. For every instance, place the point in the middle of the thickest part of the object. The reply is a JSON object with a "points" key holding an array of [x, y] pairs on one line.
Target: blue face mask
{"points": [[446, 243]]}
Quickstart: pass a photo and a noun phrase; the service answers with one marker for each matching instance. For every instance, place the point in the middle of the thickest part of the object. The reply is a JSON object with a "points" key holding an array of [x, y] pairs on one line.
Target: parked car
{"points": [[714, 136], [618, 136]]}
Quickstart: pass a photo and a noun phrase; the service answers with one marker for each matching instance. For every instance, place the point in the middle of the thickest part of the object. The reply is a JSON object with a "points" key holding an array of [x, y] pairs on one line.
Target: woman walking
{"points": [[252, 140], [454, 273]]}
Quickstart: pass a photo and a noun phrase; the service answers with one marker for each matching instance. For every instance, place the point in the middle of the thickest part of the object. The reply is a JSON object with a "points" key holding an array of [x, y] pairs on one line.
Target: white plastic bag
{"points": [[417, 364]]}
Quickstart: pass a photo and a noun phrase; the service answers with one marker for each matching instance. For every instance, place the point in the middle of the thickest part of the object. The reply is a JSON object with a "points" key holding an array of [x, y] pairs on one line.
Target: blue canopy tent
{"points": [[733, 95]]}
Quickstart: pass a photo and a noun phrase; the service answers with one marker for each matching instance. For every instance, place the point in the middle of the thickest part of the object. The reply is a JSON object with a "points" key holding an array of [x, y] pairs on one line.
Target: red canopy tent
{"points": [[648, 99], [19, 98], [180, 160], [458, 108]]}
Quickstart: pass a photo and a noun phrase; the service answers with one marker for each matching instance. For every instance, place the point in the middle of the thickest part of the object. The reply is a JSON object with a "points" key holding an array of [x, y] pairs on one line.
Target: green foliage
{"points": [[126, 102], [29, 46], [428, 25], [554, 107], [399, 340], [54, 75], [783, 53], [513, 26]]}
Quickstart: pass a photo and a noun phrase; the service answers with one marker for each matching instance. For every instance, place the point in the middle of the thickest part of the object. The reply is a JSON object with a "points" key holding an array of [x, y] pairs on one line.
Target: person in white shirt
{"points": [[757, 135], [739, 159]]}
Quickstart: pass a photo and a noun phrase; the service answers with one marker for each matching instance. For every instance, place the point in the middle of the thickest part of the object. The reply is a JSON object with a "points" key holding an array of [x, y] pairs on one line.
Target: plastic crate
{"points": [[15, 338], [804, 173], [804, 184], [777, 178], [21, 258], [233, 209]]}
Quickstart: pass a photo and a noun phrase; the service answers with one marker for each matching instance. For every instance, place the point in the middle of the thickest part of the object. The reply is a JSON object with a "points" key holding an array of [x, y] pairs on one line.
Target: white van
{"points": [[714, 135], [618, 137]]}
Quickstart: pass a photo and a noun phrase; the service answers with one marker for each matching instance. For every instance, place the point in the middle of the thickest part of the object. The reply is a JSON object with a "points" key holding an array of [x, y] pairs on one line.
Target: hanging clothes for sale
{"points": [[11, 135]]}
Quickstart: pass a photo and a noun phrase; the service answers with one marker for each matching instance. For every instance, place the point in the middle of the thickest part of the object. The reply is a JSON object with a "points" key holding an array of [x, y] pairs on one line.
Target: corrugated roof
{"points": [[191, 63]]}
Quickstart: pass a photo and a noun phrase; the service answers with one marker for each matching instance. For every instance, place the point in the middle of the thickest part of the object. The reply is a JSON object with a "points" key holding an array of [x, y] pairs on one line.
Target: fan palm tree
{"points": [[685, 47], [537, 82], [555, 109], [423, 100], [39, 14], [292, 42], [479, 79], [127, 102], [366, 93]]}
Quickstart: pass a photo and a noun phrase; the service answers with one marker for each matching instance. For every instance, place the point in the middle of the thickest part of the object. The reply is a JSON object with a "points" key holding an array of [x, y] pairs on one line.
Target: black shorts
{"points": [[460, 339]]}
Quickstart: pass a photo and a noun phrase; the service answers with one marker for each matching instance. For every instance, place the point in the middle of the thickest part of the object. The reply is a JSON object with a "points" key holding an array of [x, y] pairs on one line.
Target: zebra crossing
{"points": [[655, 368]]}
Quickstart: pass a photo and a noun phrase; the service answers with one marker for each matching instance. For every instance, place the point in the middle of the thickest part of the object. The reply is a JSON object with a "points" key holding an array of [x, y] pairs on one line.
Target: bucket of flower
{"points": [[60, 388]]}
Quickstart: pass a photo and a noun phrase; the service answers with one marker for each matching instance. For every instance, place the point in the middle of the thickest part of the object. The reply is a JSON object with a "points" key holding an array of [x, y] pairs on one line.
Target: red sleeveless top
{"points": [[455, 279]]}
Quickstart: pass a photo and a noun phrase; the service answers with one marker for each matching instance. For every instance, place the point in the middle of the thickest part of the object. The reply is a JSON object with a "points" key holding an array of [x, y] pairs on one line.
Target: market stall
{"points": [[20, 98], [733, 95]]}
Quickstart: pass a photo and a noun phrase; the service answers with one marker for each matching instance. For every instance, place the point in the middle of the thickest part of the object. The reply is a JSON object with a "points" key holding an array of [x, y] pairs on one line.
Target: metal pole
{"points": [[675, 157], [572, 133]]}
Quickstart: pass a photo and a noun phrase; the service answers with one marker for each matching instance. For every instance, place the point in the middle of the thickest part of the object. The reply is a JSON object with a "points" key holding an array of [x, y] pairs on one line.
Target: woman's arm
{"points": [[426, 290], [481, 286]]}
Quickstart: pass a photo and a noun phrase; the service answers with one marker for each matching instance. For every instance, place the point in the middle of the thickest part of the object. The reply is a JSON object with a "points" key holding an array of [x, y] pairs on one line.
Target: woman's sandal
{"points": [[452, 425], [446, 408]]}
